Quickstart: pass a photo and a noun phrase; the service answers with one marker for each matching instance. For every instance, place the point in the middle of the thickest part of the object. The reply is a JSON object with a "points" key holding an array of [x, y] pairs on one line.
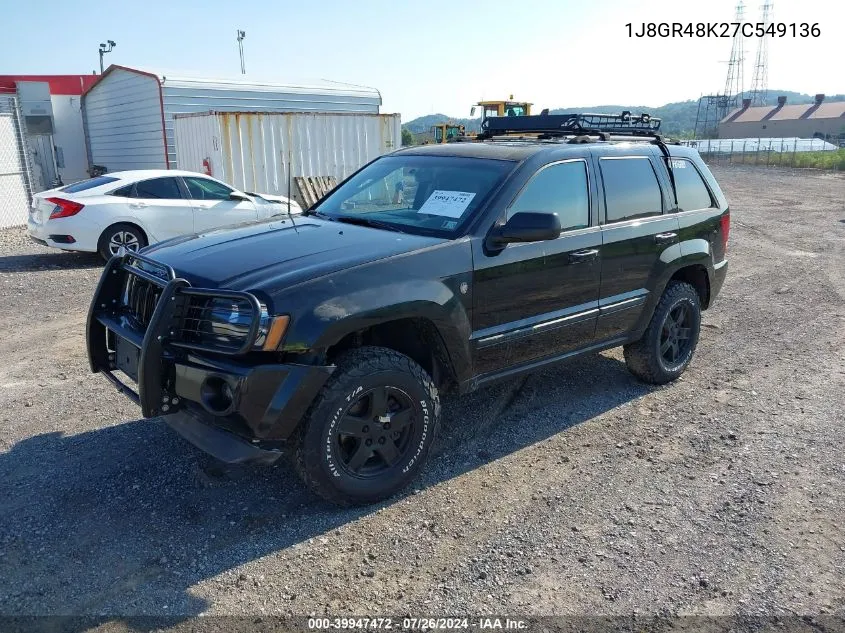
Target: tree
{"points": [[407, 137]]}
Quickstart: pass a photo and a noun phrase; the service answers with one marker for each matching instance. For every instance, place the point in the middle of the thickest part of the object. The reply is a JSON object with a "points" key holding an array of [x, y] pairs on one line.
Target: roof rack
{"points": [[557, 125]]}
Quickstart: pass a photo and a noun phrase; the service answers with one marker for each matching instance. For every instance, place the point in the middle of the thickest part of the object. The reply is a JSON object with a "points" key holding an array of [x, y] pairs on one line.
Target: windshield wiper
{"points": [[376, 224]]}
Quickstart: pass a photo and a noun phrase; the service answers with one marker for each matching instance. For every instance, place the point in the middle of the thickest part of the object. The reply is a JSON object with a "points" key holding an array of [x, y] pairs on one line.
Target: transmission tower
{"points": [[712, 108], [760, 81], [734, 86]]}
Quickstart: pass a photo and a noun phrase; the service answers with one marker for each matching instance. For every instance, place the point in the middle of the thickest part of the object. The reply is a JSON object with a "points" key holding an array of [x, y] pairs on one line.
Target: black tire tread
{"points": [[638, 355], [356, 363]]}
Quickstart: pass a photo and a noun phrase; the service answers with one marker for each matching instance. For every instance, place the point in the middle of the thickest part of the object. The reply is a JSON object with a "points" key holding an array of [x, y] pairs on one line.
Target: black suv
{"points": [[431, 269]]}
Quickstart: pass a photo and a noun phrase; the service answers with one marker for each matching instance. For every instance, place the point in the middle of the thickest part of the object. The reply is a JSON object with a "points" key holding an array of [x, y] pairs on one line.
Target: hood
{"points": [[270, 256], [269, 198]]}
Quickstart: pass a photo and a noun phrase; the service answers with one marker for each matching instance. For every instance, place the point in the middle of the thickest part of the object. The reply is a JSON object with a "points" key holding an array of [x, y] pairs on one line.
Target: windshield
{"points": [[428, 195]]}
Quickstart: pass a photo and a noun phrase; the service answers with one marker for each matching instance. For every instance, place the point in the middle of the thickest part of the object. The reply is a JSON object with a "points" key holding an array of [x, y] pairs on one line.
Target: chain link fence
{"points": [[810, 153], [15, 168]]}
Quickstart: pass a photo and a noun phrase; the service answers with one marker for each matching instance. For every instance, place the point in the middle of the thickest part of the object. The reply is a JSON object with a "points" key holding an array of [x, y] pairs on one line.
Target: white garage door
{"points": [[14, 201]]}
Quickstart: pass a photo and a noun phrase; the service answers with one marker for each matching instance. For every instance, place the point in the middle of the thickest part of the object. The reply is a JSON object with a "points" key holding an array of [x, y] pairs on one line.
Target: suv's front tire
{"points": [[370, 429], [668, 344]]}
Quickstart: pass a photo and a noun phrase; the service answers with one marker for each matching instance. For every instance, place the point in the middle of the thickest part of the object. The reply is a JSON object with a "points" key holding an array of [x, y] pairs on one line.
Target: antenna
{"points": [[290, 191], [241, 36], [760, 81]]}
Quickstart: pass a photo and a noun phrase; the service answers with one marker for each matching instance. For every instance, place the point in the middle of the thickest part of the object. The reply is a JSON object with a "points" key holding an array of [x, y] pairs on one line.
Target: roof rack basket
{"points": [[555, 125]]}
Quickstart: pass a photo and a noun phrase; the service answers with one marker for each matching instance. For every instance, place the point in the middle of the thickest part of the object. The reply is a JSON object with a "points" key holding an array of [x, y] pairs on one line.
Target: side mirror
{"points": [[527, 226], [472, 111], [237, 195]]}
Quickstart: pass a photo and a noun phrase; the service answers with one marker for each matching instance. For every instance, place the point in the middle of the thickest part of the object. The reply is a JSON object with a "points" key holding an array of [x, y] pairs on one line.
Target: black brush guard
{"points": [[270, 399], [107, 312]]}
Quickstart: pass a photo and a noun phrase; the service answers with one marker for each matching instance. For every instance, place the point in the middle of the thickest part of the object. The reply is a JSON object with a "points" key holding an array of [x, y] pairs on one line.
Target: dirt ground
{"points": [[575, 491]]}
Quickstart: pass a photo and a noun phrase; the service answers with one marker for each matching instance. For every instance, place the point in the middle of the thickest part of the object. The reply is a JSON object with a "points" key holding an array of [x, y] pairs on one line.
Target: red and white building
{"points": [[56, 146]]}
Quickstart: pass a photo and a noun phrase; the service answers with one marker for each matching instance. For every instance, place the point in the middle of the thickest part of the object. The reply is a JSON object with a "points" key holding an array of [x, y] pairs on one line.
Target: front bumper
{"points": [[266, 403]]}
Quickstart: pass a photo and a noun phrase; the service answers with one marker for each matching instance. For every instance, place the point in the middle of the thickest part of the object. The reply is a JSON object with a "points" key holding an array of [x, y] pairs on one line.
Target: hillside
{"points": [[678, 118]]}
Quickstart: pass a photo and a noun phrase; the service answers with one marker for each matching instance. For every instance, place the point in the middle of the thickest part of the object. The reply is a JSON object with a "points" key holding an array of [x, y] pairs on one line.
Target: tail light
{"points": [[725, 221], [64, 208]]}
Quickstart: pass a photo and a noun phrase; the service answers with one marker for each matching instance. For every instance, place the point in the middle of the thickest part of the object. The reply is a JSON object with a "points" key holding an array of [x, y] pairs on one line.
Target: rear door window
{"points": [[692, 192], [631, 189], [123, 192], [158, 189], [561, 189]]}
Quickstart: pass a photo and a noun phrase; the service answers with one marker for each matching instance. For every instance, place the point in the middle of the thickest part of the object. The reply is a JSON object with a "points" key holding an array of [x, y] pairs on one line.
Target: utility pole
{"points": [[105, 49], [241, 36]]}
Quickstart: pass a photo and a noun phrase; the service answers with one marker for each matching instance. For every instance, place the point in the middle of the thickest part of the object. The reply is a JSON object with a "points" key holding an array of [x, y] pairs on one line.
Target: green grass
{"points": [[808, 160]]}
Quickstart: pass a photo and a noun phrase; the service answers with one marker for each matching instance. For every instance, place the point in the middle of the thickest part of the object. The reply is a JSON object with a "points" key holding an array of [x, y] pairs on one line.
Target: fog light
{"points": [[217, 396]]}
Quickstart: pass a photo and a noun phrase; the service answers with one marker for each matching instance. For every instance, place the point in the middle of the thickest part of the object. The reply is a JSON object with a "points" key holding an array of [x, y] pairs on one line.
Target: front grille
{"points": [[221, 321], [140, 299]]}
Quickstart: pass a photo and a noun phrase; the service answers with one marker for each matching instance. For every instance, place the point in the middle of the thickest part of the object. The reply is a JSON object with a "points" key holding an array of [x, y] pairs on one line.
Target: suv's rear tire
{"points": [[669, 342], [370, 429], [129, 236]]}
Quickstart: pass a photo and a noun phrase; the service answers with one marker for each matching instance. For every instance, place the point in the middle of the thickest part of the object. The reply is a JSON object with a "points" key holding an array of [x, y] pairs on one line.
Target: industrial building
{"points": [[49, 107], [820, 119], [129, 113]]}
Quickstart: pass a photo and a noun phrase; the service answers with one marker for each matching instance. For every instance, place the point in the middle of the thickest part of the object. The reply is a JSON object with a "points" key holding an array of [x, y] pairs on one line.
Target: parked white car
{"points": [[126, 210]]}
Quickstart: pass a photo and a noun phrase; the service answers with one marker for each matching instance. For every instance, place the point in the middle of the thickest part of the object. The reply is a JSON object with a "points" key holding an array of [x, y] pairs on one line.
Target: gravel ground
{"points": [[575, 491]]}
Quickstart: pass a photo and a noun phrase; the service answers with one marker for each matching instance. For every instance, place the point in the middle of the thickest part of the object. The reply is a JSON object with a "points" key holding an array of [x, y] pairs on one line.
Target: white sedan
{"points": [[126, 210]]}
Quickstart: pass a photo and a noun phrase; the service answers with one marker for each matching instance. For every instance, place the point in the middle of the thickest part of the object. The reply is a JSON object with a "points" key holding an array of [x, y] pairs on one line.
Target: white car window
{"points": [[158, 188], [205, 189]]}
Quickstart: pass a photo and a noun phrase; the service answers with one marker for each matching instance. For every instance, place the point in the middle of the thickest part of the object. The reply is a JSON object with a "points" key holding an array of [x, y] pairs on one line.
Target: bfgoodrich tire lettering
{"points": [[371, 428], [669, 342]]}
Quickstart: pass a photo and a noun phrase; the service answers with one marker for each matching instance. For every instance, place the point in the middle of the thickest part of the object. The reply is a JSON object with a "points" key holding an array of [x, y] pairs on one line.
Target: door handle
{"points": [[138, 205], [665, 237], [583, 256]]}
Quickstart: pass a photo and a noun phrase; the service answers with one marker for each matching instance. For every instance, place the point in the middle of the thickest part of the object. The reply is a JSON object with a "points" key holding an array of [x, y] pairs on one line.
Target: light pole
{"points": [[241, 36], [106, 49]]}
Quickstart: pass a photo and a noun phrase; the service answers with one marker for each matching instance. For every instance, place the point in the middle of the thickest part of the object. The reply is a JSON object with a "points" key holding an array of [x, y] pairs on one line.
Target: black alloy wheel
{"points": [[676, 334], [370, 429], [667, 346], [375, 431]]}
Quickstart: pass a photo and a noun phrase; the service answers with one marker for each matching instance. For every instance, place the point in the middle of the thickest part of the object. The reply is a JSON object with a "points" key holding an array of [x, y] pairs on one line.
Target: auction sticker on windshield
{"points": [[452, 204]]}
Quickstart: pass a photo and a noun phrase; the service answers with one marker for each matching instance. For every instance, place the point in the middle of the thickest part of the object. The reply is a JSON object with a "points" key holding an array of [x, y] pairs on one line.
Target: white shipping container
{"points": [[263, 151]]}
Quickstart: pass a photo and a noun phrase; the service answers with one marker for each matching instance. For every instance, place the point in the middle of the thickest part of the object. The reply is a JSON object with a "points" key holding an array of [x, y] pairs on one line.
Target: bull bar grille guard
{"points": [[106, 312]]}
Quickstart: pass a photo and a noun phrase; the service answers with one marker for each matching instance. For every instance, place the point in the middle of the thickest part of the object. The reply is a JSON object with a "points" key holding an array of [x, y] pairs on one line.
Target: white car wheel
{"points": [[121, 239]]}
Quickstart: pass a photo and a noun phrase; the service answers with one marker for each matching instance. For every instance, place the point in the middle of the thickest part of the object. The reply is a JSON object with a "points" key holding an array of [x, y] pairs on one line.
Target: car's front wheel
{"points": [[119, 239], [370, 430]]}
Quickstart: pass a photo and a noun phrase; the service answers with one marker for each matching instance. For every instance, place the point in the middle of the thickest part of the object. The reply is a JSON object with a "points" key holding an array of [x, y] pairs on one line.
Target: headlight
{"points": [[226, 323]]}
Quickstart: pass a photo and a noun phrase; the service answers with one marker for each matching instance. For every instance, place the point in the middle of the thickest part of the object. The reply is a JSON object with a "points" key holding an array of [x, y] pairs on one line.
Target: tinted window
{"points": [[205, 189], [123, 192], [158, 188], [89, 184], [560, 189], [630, 188], [692, 192]]}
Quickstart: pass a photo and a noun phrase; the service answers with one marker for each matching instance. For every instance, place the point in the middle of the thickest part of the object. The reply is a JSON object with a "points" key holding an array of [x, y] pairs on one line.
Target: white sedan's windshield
{"points": [[424, 194]]}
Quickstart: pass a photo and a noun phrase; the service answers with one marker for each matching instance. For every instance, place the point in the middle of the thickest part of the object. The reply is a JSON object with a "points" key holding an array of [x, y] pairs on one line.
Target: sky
{"points": [[430, 56]]}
